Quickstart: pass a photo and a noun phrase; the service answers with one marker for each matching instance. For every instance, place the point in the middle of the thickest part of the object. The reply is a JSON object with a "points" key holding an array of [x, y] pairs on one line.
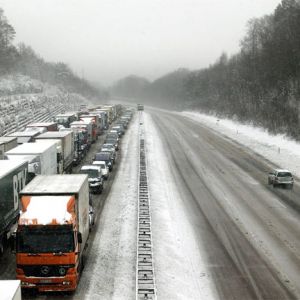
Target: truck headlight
{"points": [[62, 271]]}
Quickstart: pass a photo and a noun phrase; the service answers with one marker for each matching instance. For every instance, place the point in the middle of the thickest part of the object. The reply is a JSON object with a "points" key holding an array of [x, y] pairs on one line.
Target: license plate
{"points": [[45, 281]]}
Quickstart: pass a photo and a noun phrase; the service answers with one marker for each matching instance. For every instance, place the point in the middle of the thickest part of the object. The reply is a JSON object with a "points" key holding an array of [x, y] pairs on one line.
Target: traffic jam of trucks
{"points": [[46, 211]]}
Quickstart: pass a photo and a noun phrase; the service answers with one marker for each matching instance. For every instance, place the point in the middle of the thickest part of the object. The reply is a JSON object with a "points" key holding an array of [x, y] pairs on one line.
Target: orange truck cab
{"points": [[52, 232]]}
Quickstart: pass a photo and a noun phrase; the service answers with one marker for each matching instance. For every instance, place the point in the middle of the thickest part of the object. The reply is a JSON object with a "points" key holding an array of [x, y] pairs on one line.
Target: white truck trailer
{"points": [[67, 144], [41, 157]]}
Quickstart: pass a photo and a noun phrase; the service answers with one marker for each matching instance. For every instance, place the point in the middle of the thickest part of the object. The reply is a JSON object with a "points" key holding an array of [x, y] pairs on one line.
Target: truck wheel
{"points": [[274, 185]]}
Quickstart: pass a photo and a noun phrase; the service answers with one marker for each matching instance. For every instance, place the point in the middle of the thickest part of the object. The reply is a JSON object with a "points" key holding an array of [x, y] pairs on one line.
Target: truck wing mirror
{"points": [[79, 237]]}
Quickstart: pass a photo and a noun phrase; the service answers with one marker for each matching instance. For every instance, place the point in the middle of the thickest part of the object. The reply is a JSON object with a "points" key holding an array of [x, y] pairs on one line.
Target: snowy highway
{"points": [[236, 237], [219, 231]]}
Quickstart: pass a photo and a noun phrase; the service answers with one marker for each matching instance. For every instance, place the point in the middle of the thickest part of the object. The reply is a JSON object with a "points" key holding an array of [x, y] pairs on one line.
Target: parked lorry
{"points": [[67, 144], [24, 136], [66, 119], [94, 120], [41, 157], [13, 178], [52, 232], [108, 114], [40, 126], [80, 145], [87, 126], [7, 143], [104, 118], [112, 110], [10, 290]]}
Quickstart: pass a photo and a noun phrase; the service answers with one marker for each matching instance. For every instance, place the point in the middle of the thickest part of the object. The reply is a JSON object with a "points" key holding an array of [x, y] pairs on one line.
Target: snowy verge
{"points": [[180, 269], [110, 268], [278, 149]]}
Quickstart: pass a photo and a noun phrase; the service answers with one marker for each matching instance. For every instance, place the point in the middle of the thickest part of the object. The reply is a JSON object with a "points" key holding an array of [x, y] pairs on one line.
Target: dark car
{"points": [[109, 148], [105, 156], [123, 123], [119, 127], [112, 135]]}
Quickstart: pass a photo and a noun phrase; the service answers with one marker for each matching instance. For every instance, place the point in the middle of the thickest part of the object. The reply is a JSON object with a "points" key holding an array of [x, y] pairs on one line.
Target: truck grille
{"points": [[46, 270]]}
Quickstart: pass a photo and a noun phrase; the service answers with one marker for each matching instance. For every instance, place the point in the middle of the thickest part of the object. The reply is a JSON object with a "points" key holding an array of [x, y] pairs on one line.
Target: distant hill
{"points": [[131, 87], [165, 92], [168, 90]]}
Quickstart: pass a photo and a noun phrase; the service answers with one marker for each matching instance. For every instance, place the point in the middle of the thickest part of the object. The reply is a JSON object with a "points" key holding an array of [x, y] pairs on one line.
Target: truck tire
{"points": [[274, 185]]}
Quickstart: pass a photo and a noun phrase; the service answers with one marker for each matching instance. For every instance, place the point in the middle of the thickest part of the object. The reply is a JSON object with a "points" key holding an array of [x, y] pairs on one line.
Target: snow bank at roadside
{"points": [[110, 269], [278, 149]]}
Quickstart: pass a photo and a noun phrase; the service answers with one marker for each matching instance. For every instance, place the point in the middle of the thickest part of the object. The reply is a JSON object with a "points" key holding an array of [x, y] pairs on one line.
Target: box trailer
{"points": [[7, 143], [49, 126], [24, 136], [67, 144], [13, 178], [42, 157]]}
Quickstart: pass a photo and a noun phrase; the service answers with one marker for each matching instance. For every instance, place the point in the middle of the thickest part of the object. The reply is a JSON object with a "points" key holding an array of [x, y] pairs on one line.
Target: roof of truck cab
{"points": [[47, 209], [6, 166], [54, 134], [30, 148], [55, 184]]}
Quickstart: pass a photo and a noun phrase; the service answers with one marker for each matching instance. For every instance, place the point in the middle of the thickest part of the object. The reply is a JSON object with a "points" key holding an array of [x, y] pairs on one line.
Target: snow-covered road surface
{"points": [[249, 232]]}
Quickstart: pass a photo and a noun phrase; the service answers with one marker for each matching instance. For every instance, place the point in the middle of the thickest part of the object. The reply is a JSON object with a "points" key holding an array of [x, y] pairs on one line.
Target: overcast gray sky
{"points": [[109, 39]]}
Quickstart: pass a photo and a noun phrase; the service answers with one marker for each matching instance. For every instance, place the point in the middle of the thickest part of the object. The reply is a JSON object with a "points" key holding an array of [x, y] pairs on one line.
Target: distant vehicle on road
{"points": [[281, 177], [140, 107]]}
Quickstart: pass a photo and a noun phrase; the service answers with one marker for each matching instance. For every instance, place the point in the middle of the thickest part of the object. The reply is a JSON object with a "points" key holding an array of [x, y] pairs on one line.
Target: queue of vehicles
{"points": [[46, 214]]}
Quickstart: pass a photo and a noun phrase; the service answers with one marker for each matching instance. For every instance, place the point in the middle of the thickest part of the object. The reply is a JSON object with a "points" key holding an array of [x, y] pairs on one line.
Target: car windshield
{"points": [[109, 146], [102, 156], [45, 239], [92, 173], [284, 174]]}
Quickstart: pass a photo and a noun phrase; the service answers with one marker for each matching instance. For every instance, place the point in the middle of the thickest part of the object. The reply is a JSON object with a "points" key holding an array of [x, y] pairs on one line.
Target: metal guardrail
{"points": [[145, 279]]}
